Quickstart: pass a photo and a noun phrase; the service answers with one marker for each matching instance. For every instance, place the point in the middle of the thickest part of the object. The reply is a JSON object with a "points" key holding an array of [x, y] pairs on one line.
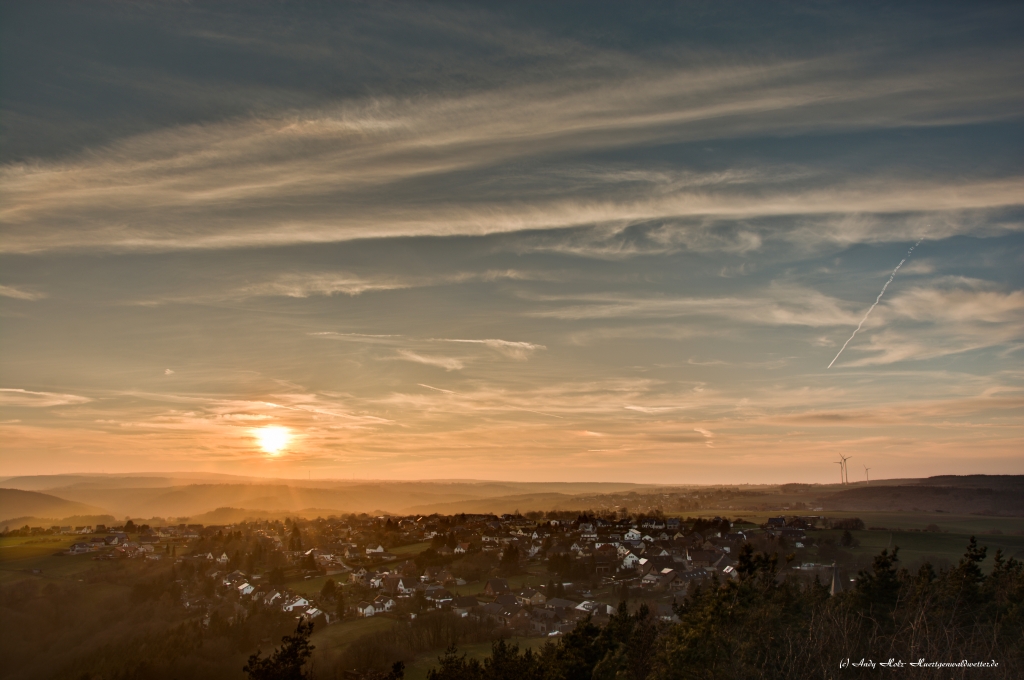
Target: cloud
{"points": [[520, 351], [405, 167], [168, 371], [305, 285], [927, 323], [447, 363], [708, 436], [19, 397], [20, 294], [788, 305]]}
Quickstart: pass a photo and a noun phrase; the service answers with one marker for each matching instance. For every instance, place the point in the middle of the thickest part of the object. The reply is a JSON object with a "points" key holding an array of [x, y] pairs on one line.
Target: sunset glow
{"points": [[440, 243], [273, 439]]}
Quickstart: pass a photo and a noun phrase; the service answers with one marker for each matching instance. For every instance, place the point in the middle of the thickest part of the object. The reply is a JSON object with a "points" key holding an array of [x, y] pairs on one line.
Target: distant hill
{"points": [[959, 495], [15, 503], [976, 481]]}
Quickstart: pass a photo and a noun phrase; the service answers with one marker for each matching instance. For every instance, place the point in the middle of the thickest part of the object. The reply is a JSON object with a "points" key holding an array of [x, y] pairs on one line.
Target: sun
{"points": [[273, 438]]}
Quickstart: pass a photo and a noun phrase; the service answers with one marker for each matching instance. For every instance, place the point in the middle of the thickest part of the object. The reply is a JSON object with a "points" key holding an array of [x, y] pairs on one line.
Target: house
{"points": [[496, 586], [531, 597], [461, 549], [223, 559], [365, 609], [630, 561], [313, 613], [271, 597], [701, 558], [560, 603], [79, 548], [461, 606], [632, 535], [245, 589], [383, 603], [377, 549], [665, 612], [396, 585], [545, 621], [296, 604], [589, 607], [684, 578]]}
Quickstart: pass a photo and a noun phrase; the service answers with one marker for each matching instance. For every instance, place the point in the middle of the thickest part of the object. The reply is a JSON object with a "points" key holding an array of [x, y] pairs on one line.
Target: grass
{"points": [[532, 579], [417, 668], [19, 556], [916, 546], [957, 524], [342, 634], [411, 549]]}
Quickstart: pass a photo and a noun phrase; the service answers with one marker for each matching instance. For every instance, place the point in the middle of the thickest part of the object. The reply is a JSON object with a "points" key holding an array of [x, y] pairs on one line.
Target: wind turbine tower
{"points": [[846, 470], [867, 477], [840, 464]]}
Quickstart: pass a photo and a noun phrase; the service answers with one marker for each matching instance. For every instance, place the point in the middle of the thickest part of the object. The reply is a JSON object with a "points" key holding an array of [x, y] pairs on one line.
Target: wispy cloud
{"points": [[20, 293], [18, 397], [518, 350], [320, 176], [788, 305], [927, 323], [447, 363]]}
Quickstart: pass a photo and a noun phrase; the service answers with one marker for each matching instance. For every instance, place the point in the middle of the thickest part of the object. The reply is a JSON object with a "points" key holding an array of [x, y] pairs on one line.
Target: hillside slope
{"points": [[1007, 501], [17, 503]]}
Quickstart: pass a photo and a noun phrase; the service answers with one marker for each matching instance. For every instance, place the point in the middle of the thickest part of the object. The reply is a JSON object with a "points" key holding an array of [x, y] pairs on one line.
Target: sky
{"points": [[519, 241]]}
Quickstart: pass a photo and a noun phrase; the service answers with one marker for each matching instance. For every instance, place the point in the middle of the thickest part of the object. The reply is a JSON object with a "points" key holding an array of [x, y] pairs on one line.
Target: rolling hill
{"points": [[16, 503]]}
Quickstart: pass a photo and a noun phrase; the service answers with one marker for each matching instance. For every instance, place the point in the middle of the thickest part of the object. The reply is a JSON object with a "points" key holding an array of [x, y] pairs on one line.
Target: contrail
{"points": [[877, 299]]}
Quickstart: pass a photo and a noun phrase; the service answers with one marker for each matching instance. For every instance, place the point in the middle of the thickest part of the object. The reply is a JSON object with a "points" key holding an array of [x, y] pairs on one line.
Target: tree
{"points": [[339, 604], [276, 577], [397, 672], [286, 662], [329, 590], [510, 560]]}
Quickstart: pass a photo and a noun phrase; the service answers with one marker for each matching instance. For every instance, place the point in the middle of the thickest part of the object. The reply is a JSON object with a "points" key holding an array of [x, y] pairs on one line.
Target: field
{"points": [[410, 550], [535, 576], [21, 556], [941, 549]]}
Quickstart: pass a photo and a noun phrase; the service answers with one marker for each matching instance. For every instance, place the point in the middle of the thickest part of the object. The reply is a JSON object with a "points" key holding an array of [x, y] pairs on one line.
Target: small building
{"points": [[496, 586]]}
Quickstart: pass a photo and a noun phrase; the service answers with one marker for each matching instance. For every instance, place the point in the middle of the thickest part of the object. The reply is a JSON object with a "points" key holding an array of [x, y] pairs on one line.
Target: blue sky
{"points": [[582, 242]]}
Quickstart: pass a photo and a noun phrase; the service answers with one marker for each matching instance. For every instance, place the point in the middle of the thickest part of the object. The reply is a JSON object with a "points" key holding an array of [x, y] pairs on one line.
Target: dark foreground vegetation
{"points": [[763, 626]]}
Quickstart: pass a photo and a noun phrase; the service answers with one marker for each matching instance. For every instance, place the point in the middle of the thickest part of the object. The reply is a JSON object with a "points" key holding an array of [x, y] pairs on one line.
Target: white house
{"points": [[383, 603], [632, 535], [365, 609], [299, 603], [370, 550], [630, 561]]}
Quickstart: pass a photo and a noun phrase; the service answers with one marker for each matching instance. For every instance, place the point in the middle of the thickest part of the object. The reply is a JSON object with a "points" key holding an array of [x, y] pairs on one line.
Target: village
{"points": [[533, 575]]}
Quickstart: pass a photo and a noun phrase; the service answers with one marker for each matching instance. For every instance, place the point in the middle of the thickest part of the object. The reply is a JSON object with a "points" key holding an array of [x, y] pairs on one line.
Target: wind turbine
{"points": [[867, 477], [846, 470], [840, 464]]}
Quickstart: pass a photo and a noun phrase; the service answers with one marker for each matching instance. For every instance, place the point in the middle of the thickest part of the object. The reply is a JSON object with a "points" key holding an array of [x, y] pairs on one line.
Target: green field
{"points": [[19, 556], [331, 641], [916, 546], [410, 550], [534, 577]]}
